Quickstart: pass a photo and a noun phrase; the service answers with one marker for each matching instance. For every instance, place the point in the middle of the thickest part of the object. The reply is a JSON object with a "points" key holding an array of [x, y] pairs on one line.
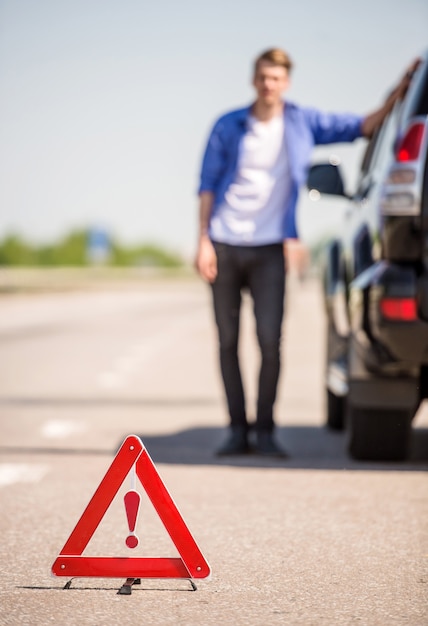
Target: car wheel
{"points": [[335, 411], [379, 434]]}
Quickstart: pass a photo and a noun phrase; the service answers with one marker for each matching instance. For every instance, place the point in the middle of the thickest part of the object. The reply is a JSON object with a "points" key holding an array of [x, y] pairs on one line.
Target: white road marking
{"points": [[110, 380], [60, 429], [122, 369], [140, 355], [11, 473]]}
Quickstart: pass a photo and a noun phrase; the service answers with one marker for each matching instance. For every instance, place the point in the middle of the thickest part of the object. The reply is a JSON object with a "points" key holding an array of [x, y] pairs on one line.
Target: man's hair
{"points": [[276, 56]]}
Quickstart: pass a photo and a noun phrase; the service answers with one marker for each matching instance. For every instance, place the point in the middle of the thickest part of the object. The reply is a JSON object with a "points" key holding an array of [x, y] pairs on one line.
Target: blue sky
{"points": [[105, 106]]}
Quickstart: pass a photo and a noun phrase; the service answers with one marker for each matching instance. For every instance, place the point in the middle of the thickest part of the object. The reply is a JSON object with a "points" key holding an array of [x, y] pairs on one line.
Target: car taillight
{"points": [[399, 309], [409, 147]]}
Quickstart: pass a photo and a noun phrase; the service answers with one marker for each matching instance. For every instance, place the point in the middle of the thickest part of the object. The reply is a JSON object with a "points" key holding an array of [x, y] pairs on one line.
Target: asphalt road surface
{"points": [[317, 539]]}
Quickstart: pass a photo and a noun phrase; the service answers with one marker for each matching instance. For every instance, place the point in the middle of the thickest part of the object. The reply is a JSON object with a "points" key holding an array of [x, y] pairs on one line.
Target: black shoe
{"points": [[237, 443], [267, 446]]}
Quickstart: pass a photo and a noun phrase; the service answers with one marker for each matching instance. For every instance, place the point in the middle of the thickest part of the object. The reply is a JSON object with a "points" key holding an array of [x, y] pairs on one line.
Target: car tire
{"points": [[335, 411], [379, 434]]}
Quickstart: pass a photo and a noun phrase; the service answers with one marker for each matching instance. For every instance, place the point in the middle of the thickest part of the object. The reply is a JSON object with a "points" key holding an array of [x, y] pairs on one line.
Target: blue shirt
{"points": [[304, 128]]}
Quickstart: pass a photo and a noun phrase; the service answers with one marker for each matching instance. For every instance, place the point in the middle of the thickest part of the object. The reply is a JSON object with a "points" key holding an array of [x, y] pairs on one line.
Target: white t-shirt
{"points": [[253, 209]]}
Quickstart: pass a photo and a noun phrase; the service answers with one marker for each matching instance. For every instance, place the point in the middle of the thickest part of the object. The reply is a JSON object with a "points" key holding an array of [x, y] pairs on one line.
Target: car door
{"points": [[362, 221]]}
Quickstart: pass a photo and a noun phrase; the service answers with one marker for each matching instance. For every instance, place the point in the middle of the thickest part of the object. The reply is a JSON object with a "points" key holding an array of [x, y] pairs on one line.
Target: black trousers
{"points": [[261, 270]]}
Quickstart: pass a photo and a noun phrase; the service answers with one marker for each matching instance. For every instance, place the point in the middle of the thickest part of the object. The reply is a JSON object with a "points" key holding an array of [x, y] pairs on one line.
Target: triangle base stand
{"points": [[126, 588]]}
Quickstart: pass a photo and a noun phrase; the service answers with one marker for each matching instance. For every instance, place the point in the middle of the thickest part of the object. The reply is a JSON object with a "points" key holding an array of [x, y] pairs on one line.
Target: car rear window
{"points": [[417, 102]]}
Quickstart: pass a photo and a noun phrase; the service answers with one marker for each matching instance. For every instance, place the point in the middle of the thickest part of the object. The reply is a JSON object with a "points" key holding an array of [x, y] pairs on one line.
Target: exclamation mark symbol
{"points": [[132, 506]]}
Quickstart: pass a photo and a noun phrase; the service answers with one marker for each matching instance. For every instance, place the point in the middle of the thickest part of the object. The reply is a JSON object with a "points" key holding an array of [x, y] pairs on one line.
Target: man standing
{"points": [[255, 162]]}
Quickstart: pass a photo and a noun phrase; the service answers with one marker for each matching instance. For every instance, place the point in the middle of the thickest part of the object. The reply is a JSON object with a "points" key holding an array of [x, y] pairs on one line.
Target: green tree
{"points": [[15, 251], [72, 250], [148, 255]]}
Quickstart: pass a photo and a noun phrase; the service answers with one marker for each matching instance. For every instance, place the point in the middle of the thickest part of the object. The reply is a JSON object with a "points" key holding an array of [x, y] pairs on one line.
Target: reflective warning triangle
{"points": [[190, 564]]}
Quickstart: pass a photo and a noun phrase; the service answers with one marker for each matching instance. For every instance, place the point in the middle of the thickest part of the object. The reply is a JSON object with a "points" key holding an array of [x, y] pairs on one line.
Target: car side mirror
{"points": [[326, 178]]}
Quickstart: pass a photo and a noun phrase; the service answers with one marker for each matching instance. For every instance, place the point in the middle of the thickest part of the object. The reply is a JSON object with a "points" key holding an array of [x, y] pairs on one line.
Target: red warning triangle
{"points": [[191, 563]]}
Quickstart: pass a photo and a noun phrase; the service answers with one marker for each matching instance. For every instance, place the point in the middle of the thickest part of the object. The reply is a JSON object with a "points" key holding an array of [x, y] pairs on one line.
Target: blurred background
{"points": [[106, 106]]}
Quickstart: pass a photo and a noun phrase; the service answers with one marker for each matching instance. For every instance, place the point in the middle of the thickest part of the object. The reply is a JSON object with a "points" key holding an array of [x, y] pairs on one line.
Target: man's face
{"points": [[270, 82]]}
